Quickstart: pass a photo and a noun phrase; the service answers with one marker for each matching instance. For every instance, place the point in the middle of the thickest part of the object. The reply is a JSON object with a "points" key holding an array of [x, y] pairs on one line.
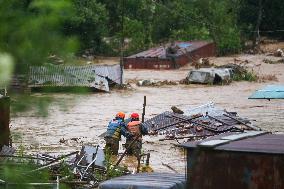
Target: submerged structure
{"points": [[97, 77], [253, 159], [170, 56], [198, 123]]}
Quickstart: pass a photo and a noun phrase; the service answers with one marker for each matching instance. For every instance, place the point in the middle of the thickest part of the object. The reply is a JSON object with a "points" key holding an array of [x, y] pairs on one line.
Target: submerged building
{"points": [[170, 56]]}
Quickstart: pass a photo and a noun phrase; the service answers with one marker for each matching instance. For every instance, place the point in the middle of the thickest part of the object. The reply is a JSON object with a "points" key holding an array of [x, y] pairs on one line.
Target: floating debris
{"points": [[152, 82], [279, 53]]}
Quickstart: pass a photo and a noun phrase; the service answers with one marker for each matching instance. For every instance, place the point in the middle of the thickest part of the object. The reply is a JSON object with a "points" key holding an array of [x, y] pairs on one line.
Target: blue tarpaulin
{"points": [[269, 92]]}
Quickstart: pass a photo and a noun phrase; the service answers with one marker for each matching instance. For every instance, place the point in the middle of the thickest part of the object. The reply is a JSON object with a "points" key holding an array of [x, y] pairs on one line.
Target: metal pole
{"points": [[122, 42], [57, 182], [144, 105]]}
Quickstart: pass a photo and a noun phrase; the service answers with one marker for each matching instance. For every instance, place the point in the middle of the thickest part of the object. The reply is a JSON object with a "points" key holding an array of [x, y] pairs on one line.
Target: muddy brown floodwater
{"points": [[86, 116]]}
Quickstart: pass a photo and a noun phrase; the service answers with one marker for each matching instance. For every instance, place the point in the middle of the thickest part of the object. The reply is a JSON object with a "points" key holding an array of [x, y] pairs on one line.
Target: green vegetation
{"points": [[245, 76], [20, 175], [111, 170], [32, 30], [22, 103]]}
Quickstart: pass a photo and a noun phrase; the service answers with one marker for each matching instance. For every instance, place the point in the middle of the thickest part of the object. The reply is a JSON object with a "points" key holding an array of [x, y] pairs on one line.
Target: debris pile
{"points": [[7, 151], [197, 123], [152, 82], [270, 61], [279, 53], [54, 59], [276, 57], [86, 168], [203, 63]]}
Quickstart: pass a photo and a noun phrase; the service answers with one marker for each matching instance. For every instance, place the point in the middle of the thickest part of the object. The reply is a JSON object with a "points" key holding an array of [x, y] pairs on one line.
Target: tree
{"points": [[89, 23], [220, 18], [31, 30]]}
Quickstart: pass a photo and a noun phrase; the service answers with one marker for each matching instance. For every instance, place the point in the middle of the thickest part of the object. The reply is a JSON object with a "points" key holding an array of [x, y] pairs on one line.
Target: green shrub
{"points": [[246, 76]]}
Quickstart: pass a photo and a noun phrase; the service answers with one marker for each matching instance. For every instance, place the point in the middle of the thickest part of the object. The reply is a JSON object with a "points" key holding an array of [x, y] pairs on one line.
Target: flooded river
{"points": [[85, 116]]}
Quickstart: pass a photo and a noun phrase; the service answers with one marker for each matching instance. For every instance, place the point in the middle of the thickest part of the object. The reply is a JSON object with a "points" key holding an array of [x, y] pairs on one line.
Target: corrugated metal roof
{"points": [[268, 143], [171, 123], [269, 92], [257, 142], [112, 72], [160, 52], [146, 181], [94, 76]]}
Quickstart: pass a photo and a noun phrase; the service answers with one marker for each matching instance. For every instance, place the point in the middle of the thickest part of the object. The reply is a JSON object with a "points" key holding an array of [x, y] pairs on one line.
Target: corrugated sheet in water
{"points": [[94, 76]]}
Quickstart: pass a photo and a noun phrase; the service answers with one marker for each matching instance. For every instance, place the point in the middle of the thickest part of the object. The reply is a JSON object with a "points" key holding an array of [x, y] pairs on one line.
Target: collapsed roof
{"points": [[93, 76], [199, 122]]}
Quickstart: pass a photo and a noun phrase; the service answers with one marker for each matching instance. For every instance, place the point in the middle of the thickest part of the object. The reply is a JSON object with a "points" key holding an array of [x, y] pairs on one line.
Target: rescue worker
{"points": [[137, 130], [115, 129]]}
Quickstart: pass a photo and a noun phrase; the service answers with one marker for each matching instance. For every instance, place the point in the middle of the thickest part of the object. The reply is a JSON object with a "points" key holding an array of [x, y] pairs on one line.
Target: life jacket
{"points": [[134, 127], [114, 129]]}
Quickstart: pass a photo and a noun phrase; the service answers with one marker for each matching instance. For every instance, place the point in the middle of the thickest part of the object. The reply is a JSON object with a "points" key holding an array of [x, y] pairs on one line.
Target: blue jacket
{"points": [[116, 128]]}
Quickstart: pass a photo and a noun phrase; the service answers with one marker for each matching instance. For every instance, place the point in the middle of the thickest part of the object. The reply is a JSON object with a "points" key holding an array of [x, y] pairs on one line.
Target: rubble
{"points": [[86, 168], [279, 53], [152, 82], [197, 123], [7, 151], [202, 63], [54, 59], [272, 61], [176, 110]]}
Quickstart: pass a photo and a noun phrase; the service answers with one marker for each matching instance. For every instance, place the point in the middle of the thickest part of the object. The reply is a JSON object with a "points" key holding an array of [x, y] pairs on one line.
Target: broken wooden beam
{"points": [[239, 121]]}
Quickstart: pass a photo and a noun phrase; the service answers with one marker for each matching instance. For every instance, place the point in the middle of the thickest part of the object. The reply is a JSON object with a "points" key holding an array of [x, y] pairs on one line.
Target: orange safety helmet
{"points": [[120, 115], [134, 116]]}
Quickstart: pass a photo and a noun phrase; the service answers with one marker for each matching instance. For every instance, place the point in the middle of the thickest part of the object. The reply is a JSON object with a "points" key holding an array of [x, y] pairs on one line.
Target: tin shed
{"points": [[163, 58], [250, 160]]}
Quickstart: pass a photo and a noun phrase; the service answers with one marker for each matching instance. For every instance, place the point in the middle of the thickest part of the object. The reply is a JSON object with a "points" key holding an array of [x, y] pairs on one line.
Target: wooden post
{"points": [[144, 105], [4, 121], [139, 163], [124, 153]]}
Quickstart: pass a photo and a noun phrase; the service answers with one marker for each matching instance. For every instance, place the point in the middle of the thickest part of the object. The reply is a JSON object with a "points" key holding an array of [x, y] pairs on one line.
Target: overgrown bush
{"points": [[246, 76]]}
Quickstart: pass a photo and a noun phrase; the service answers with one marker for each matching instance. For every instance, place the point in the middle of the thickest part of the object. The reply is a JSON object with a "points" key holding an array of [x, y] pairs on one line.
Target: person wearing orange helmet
{"points": [[115, 129], [137, 129]]}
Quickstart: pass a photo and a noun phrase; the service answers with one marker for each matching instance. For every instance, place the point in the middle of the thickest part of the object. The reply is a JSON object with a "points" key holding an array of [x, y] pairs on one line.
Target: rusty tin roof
{"points": [[160, 52]]}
